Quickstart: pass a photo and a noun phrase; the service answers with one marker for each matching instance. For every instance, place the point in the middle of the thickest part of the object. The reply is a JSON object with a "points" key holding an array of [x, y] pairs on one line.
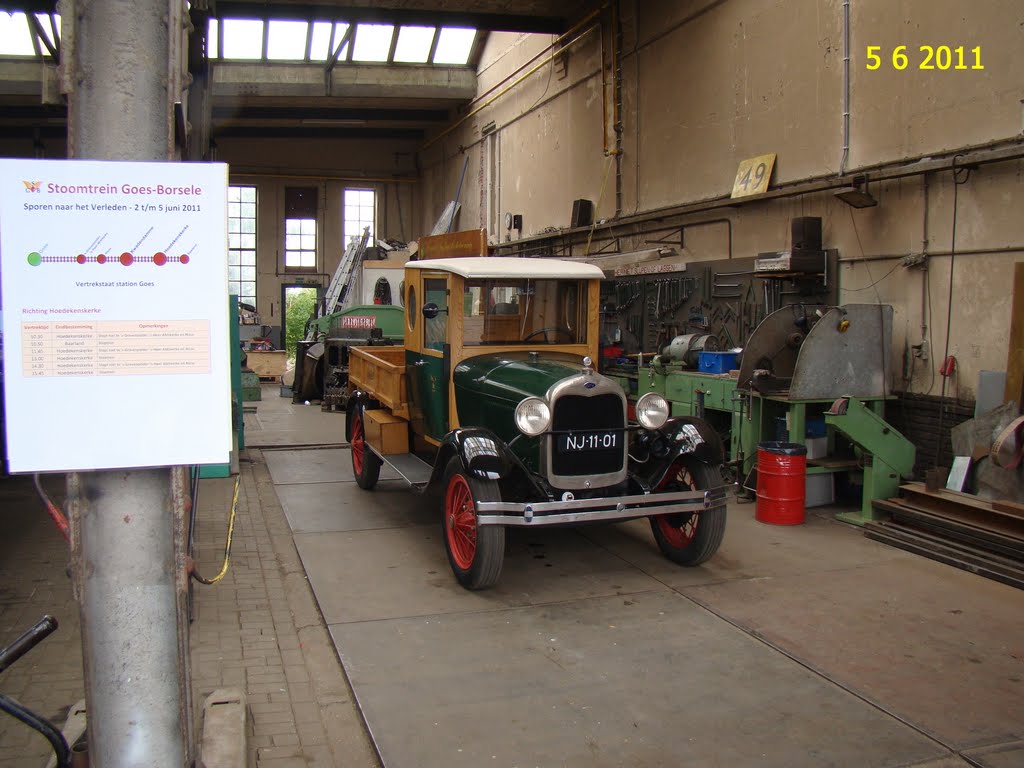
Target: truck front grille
{"points": [[588, 435]]}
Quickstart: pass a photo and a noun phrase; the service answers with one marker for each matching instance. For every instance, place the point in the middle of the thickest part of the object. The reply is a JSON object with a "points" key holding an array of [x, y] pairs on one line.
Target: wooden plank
{"points": [[380, 371], [471, 242], [944, 499], [1015, 353], [1009, 507]]}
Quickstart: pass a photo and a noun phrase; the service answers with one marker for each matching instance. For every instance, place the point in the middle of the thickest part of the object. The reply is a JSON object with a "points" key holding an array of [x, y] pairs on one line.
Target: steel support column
{"points": [[125, 521]]}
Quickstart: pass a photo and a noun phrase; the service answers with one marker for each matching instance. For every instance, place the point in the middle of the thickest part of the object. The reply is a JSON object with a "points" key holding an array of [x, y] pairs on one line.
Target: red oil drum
{"points": [[781, 478]]}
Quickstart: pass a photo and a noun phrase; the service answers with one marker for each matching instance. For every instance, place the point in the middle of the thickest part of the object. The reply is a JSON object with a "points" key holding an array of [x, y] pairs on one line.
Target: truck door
{"points": [[428, 359]]}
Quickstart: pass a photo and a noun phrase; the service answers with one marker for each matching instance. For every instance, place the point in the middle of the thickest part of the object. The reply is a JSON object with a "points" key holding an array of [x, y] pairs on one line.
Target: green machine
{"points": [[321, 359], [809, 374]]}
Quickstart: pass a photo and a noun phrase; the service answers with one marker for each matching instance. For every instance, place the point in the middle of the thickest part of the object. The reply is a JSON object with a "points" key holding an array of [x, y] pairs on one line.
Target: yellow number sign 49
{"points": [[753, 175]]}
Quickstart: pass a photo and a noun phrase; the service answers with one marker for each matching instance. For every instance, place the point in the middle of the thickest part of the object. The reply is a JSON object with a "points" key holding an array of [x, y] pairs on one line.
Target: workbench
{"points": [[829, 367]]}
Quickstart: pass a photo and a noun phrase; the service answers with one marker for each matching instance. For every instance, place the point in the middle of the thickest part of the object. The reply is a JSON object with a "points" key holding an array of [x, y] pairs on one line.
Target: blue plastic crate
{"points": [[717, 362], [816, 428]]}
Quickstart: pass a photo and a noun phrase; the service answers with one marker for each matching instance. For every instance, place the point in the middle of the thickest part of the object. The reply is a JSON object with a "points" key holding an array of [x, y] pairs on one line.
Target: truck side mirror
{"points": [[431, 310]]}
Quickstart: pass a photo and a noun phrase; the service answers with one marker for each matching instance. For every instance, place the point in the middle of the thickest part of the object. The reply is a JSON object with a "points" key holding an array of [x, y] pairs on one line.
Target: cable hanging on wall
{"points": [[960, 176]]}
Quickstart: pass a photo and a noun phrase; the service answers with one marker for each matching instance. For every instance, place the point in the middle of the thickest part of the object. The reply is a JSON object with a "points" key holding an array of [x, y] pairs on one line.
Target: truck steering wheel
{"points": [[554, 329]]}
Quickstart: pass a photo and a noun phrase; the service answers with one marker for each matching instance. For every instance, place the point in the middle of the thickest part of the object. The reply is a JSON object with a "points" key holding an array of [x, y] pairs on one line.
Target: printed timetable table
{"points": [[115, 348]]}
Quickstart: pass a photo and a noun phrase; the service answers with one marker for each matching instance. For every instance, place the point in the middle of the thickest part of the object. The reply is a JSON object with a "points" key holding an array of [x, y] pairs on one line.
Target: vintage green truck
{"points": [[494, 401]]}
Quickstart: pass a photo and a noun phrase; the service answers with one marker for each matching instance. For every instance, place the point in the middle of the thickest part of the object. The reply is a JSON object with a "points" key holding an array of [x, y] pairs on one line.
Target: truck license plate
{"points": [[589, 441]]}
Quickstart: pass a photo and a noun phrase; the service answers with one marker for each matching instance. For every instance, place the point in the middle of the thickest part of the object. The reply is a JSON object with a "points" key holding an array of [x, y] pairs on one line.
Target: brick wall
{"points": [[918, 416]]}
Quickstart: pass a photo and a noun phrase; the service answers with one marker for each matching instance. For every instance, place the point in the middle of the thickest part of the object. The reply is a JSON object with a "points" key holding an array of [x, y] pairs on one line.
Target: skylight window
{"points": [[414, 44], [287, 40], [243, 39], [319, 49], [373, 42], [454, 45], [15, 38], [213, 39], [340, 28], [45, 25]]}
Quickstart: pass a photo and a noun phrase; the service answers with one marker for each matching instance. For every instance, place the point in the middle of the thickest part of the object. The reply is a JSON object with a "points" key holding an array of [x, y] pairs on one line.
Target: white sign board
{"points": [[115, 310]]}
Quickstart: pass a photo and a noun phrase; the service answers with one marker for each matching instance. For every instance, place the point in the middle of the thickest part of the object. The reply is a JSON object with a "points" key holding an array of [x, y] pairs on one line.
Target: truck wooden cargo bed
{"points": [[380, 372]]}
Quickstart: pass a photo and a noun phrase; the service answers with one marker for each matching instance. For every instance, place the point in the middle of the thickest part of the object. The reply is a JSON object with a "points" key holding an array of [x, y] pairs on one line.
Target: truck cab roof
{"points": [[491, 267]]}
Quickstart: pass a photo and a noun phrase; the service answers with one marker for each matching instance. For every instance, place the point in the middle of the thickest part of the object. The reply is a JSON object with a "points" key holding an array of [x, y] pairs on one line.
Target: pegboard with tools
{"points": [[723, 299]]}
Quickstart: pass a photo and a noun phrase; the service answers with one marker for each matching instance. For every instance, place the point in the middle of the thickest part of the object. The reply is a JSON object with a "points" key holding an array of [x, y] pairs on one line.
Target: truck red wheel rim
{"points": [[358, 445], [678, 536], [460, 522], [679, 530]]}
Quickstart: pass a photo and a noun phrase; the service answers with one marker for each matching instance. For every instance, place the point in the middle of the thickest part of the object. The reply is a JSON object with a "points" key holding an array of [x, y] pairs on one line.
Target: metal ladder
{"points": [[341, 281]]}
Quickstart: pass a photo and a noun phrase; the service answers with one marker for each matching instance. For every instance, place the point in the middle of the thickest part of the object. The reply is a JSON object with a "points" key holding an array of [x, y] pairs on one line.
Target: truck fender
{"points": [[486, 455], [710, 450], [481, 452], [680, 437]]}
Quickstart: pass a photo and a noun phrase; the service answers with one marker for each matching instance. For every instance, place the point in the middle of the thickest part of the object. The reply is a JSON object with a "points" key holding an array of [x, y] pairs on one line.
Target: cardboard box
{"points": [[820, 490], [817, 447], [387, 433]]}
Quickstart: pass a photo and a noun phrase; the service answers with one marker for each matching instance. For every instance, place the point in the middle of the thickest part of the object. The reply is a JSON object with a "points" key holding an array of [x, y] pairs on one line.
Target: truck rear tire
{"points": [[690, 538], [475, 553], [365, 463]]}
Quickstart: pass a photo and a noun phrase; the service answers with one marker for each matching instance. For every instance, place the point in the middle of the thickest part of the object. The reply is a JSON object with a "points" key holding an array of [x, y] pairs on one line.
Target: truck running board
{"points": [[414, 470]]}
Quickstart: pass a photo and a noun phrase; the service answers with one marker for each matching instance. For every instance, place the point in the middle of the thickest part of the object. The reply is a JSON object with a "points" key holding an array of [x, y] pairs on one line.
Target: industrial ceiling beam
{"points": [[239, 114], [318, 132], [255, 79]]}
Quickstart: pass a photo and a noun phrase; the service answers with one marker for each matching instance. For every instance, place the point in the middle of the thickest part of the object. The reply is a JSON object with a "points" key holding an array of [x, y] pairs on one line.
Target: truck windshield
{"points": [[509, 311]]}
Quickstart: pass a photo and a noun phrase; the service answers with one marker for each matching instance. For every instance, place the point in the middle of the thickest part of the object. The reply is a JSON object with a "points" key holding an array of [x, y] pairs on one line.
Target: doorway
{"points": [[299, 304]]}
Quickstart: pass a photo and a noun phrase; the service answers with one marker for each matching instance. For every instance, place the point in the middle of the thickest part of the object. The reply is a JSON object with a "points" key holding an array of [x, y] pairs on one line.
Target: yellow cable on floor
{"points": [[227, 545]]}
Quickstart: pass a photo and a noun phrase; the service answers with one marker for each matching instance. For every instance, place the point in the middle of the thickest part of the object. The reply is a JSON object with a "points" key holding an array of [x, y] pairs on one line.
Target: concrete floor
{"points": [[794, 646], [806, 645]]}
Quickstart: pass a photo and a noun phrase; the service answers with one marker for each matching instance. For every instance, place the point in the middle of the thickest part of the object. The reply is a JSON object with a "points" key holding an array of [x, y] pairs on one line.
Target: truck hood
{"points": [[511, 376]]}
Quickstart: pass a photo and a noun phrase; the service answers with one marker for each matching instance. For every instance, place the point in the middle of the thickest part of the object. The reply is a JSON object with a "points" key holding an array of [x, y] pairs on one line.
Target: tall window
{"points": [[300, 216], [359, 213], [242, 243], [300, 243]]}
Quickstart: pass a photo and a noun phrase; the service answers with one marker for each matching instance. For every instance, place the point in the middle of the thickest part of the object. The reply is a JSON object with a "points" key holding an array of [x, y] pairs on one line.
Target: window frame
{"points": [[301, 268], [358, 232], [241, 249]]}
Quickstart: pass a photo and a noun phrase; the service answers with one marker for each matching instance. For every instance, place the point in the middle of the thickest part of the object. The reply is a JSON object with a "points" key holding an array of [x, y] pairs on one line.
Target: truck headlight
{"points": [[533, 416], [652, 411]]}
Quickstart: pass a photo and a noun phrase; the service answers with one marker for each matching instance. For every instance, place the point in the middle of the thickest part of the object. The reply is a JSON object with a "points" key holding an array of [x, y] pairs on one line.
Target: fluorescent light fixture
{"points": [[331, 122]]}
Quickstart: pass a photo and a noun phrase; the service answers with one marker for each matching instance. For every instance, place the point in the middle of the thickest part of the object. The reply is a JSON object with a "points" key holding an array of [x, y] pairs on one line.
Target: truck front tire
{"points": [[690, 538], [475, 553], [365, 463]]}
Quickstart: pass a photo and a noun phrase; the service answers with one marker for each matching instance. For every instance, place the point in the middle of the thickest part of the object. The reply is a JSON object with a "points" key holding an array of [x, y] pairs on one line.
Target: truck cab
{"points": [[495, 402]]}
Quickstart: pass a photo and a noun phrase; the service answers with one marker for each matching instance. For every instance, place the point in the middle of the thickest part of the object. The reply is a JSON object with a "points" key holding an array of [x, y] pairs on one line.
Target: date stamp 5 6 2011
{"points": [[941, 57]]}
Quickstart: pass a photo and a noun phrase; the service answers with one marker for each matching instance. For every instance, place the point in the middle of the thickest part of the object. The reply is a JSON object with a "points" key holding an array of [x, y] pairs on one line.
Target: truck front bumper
{"points": [[600, 509]]}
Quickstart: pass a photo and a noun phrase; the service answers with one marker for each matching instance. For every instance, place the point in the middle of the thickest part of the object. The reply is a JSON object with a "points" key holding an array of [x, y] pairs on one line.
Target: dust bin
{"points": [[781, 493]]}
